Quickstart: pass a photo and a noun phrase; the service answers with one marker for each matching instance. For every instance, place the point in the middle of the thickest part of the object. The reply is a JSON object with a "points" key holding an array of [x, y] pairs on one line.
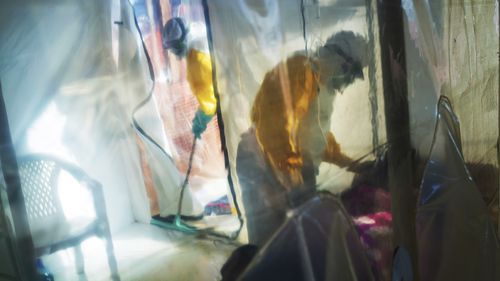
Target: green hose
{"points": [[178, 223]]}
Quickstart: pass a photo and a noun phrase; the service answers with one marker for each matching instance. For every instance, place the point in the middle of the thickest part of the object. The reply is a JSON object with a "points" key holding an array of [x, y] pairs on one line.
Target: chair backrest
{"points": [[41, 187], [38, 181], [44, 179]]}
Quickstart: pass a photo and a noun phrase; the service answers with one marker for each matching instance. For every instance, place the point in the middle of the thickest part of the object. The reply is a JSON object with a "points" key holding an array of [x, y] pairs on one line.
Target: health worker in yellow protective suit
{"points": [[199, 69], [279, 157]]}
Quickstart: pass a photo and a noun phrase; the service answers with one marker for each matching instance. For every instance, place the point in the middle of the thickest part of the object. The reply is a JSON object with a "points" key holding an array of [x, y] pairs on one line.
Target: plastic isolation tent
{"points": [[249, 140]]}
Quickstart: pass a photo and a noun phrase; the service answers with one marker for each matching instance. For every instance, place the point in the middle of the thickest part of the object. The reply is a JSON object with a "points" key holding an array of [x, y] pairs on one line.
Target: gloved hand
{"points": [[200, 122]]}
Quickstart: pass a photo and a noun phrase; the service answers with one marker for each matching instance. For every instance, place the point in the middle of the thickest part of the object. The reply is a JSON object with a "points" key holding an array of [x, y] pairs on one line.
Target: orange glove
{"points": [[333, 153]]}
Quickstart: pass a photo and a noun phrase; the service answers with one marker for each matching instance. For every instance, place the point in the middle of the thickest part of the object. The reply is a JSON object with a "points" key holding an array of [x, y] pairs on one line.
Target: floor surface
{"points": [[146, 252]]}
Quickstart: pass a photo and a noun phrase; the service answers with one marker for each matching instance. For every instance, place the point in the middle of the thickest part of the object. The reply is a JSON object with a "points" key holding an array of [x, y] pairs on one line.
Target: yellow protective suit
{"points": [[199, 76], [280, 107]]}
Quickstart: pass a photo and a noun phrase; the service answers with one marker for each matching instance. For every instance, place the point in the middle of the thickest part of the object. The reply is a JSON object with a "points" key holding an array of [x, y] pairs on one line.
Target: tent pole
{"points": [[400, 155], [24, 243]]}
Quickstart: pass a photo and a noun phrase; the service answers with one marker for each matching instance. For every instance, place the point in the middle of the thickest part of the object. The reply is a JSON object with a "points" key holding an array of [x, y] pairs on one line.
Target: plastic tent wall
{"points": [[427, 49], [76, 78], [317, 242], [73, 76], [71, 90], [452, 218], [451, 51], [65, 94], [250, 38]]}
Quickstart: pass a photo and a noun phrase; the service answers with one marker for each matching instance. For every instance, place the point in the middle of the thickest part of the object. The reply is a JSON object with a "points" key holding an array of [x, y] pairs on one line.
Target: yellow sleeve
{"points": [[199, 76], [333, 153], [277, 125]]}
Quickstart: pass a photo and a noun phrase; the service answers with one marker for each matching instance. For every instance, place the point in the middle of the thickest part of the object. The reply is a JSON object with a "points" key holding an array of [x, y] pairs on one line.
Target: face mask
{"points": [[339, 83], [349, 68]]}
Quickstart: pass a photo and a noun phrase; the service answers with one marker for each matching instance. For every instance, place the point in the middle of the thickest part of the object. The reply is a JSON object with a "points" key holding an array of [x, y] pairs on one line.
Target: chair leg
{"points": [[113, 267], [80, 263]]}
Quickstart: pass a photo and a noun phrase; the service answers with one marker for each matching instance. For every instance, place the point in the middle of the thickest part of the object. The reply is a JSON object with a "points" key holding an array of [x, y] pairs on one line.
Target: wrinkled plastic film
{"points": [[77, 84], [447, 55], [318, 241], [271, 46], [77, 105], [452, 218], [158, 149], [182, 91]]}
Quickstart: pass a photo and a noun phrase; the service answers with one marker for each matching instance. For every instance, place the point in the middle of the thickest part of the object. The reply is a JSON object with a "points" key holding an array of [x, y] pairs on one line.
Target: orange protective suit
{"points": [[282, 104]]}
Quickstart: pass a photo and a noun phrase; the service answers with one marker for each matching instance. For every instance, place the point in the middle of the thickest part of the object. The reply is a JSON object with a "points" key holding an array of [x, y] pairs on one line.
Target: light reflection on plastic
{"points": [[45, 135], [161, 77], [434, 188], [75, 199]]}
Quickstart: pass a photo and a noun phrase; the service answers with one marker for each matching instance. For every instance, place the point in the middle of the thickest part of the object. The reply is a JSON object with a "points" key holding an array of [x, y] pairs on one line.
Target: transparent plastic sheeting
{"points": [[164, 118], [283, 111], [167, 135], [456, 239], [452, 49], [447, 55], [297, 82], [318, 241], [70, 95], [72, 75], [257, 49]]}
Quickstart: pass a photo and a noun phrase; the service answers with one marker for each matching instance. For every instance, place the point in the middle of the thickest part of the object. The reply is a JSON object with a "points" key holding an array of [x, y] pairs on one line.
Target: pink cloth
{"points": [[370, 208]]}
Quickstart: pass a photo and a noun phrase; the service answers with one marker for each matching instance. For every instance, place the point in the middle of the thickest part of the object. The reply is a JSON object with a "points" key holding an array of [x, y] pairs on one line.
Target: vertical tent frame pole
{"points": [[24, 243], [400, 154]]}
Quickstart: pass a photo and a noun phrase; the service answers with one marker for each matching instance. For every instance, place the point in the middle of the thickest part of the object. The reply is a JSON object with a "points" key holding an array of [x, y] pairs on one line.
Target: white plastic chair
{"points": [[50, 228]]}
